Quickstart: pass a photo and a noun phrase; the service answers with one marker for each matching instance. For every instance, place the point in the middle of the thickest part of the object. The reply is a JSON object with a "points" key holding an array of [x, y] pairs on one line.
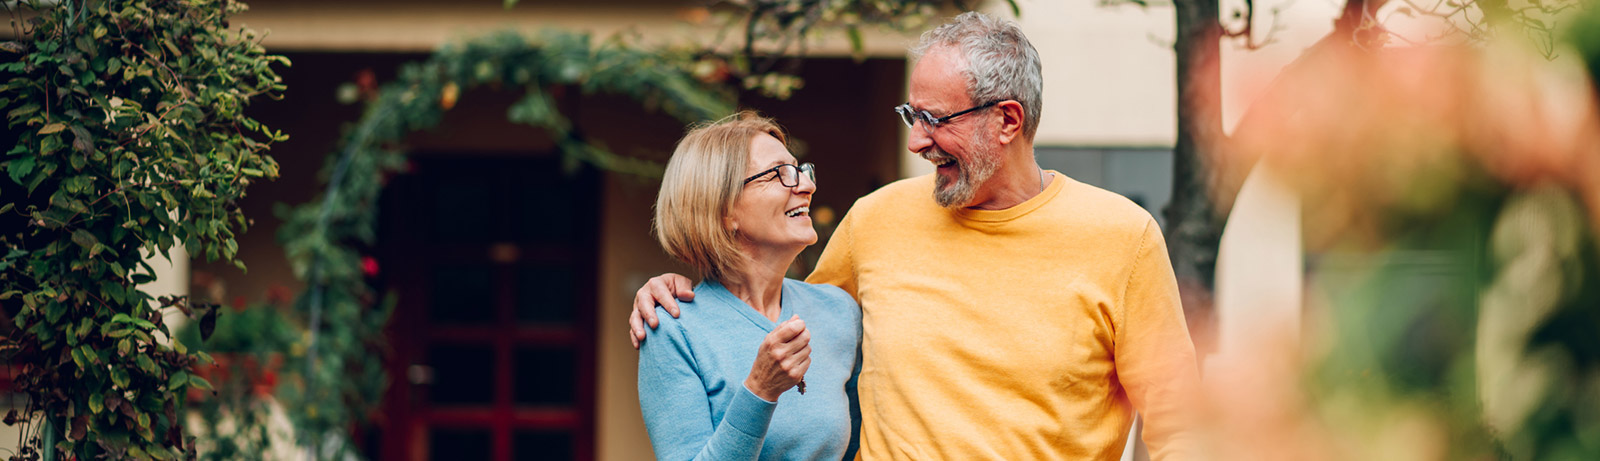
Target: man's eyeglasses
{"points": [[788, 174], [911, 115]]}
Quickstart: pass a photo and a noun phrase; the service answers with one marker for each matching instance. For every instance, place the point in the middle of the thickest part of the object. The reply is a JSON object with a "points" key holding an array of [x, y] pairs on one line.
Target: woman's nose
{"points": [[806, 186]]}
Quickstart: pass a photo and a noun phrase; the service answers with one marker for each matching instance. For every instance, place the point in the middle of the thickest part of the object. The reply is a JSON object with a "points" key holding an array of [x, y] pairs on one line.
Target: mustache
{"points": [[936, 155]]}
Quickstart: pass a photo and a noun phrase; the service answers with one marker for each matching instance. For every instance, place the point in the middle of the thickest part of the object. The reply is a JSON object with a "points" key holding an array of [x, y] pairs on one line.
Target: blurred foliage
{"points": [[131, 140], [248, 346], [1481, 21], [1451, 200], [1584, 34], [1478, 324], [259, 329]]}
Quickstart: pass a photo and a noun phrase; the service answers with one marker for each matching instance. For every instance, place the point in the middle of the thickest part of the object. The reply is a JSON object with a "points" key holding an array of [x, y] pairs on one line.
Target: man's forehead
{"points": [[937, 82]]}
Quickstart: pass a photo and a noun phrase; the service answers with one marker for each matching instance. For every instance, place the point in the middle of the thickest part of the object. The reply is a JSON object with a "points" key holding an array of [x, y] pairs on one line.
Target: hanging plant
{"points": [[131, 139]]}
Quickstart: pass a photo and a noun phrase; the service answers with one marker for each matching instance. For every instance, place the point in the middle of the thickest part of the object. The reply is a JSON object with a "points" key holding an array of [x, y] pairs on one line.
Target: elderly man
{"points": [[1020, 314]]}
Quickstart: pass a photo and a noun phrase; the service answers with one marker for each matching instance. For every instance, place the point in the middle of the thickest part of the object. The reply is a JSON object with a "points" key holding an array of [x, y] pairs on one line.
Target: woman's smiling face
{"points": [[768, 213]]}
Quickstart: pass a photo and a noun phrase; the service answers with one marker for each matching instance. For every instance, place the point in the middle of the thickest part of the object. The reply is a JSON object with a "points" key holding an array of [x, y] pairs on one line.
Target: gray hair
{"points": [[1001, 64]]}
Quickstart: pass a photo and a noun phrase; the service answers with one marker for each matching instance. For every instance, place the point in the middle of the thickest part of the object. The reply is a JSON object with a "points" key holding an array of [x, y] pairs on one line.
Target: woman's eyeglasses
{"points": [[788, 174]]}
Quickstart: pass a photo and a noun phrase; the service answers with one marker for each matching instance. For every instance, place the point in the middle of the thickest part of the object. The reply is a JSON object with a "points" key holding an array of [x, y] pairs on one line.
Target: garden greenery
{"points": [[130, 139]]}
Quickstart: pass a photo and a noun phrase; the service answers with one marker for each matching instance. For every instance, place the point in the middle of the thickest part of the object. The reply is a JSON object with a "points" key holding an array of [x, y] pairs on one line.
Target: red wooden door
{"points": [[494, 260]]}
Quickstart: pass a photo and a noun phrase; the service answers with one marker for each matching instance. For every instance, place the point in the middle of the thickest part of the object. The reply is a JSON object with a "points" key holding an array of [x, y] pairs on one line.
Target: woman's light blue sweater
{"points": [[692, 371]]}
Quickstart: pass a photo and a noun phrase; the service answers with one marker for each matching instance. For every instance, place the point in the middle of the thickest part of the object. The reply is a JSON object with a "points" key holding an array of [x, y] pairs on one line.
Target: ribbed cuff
{"points": [[749, 413]]}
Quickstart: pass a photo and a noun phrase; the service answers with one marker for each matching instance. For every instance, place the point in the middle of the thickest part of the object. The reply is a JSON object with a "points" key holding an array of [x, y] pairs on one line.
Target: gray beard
{"points": [[976, 171]]}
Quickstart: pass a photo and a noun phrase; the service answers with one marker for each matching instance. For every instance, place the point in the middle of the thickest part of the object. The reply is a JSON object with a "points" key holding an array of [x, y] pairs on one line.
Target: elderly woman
{"points": [[741, 375]]}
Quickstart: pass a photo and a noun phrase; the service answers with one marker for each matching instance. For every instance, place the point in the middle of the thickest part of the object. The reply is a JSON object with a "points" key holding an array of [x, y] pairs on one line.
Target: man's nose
{"points": [[918, 139]]}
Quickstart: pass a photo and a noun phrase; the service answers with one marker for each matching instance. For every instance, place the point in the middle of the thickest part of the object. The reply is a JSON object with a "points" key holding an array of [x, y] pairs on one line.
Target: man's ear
{"points": [[1011, 117]]}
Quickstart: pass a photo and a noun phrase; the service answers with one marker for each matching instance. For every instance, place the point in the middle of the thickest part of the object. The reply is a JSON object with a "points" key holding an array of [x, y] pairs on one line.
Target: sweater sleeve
{"points": [[677, 411], [837, 266], [1154, 356]]}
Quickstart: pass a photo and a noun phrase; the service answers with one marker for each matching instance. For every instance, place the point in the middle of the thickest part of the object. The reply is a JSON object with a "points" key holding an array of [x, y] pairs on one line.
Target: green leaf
{"points": [[21, 111], [79, 359], [20, 168], [121, 318], [83, 328], [113, 290], [119, 377], [857, 45], [146, 364], [54, 310], [53, 128], [49, 145], [199, 382], [178, 380], [83, 238], [97, 402]]}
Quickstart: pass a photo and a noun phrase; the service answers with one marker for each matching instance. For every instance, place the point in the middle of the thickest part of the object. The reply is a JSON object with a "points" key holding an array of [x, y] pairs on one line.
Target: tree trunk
{"points": [[1193, 230]]}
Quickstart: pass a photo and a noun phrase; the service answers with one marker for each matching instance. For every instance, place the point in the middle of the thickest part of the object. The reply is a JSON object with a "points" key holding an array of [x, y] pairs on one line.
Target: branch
{"points": [[1247, 29], [811, 17]]}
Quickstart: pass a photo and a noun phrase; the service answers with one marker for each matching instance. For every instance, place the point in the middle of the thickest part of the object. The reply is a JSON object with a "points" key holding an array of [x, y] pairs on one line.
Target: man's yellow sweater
{"points": [[1032, 332]]}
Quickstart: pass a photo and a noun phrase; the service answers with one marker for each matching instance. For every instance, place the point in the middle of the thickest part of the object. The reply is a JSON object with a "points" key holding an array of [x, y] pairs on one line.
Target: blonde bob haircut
{"points": [[703, 179]]}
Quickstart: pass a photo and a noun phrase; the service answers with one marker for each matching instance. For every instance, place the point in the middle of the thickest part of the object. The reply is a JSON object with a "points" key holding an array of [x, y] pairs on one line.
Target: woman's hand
{"points": [[782, 360]]}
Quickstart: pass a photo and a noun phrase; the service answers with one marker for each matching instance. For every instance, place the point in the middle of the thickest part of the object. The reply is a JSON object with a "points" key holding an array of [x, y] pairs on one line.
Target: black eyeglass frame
{"points": [[909, 115], [807, 168]]}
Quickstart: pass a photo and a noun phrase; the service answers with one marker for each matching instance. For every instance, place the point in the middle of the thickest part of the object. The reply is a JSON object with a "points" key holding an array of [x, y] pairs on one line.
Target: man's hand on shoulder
{"points": [[664, 290]]}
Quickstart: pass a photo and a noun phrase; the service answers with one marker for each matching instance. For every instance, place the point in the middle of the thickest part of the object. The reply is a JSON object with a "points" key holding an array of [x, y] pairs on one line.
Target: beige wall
{"points": [[1108, 71], [421, 25], [627, 260]]}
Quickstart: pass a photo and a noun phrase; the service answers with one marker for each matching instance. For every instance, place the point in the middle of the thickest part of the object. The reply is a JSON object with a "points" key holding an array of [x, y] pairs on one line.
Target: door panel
{"points": [[494, 259]]}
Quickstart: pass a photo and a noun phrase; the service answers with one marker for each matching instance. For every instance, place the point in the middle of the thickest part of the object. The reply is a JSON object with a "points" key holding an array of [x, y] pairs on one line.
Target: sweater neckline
{"points": [[785, 306], [1058, 182]]}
